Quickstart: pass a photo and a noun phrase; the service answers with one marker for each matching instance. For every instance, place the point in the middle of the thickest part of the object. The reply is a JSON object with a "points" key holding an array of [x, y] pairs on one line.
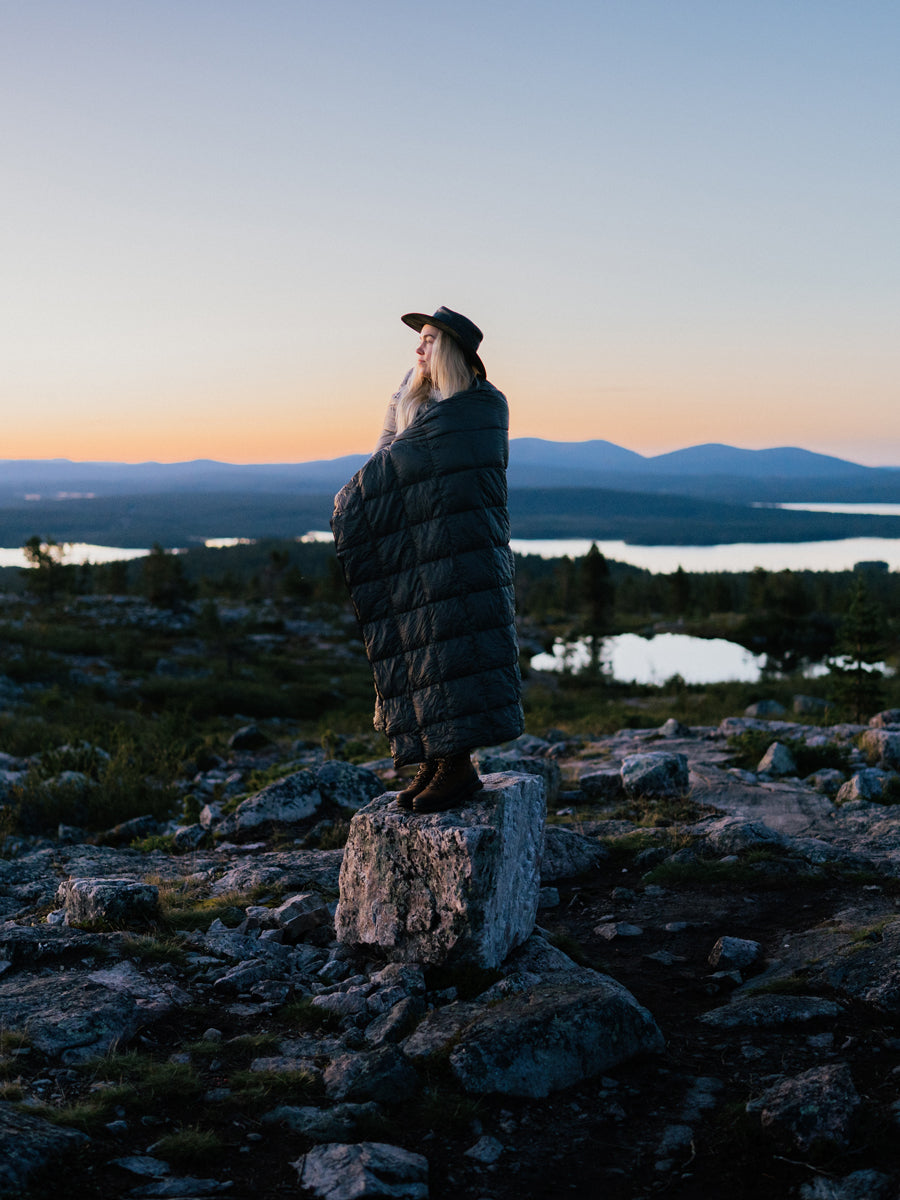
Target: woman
{"points": [[422, 534]]}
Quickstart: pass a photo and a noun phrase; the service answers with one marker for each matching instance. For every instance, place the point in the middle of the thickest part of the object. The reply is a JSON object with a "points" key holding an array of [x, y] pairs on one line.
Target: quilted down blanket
{"points": [[422, 535]]}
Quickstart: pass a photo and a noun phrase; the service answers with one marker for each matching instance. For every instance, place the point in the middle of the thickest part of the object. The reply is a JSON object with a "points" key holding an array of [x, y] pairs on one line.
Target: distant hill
{"points": [[699, 495], [712, 471], [784, 461], [50, 477], [636, 517]]}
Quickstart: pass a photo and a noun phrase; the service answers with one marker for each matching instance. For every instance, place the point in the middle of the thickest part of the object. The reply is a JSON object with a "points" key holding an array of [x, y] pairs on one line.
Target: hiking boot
{"points": [[455, 780], [420, 780]]}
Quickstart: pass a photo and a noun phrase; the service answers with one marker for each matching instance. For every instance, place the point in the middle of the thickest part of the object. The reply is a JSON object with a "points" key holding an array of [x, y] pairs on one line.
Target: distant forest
{"points": [[794, 617], [178, 520]]}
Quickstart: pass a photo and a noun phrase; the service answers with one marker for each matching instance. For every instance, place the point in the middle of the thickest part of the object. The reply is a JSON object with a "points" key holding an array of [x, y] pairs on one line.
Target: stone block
{"points": [[340, 1172], [732, 952], [828, 780], [656, 775], [457, 886], [815, 1108], [301, 913], [888, 719], [568, 854], [674, 729], [882, 748], [29, 1143], [384, 1075], [765, 708], [248, 737], [777, 760], [867, 784], [604, 787], [521, 763], [115, 901], [567, 1024], [188, 837], [283, 802], [347, 785]]}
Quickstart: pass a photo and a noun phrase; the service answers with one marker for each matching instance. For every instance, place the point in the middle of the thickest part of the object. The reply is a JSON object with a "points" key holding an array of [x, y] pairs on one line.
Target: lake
{"points": [[839, 555], [76, 552], [630, 658], [738, 556]]}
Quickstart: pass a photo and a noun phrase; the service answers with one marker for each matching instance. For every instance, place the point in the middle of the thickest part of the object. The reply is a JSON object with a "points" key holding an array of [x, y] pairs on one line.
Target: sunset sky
{"points": [[675, 220]]}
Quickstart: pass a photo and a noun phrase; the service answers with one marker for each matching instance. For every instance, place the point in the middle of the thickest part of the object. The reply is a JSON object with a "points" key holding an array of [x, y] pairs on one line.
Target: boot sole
{"points": [[409, 795]]}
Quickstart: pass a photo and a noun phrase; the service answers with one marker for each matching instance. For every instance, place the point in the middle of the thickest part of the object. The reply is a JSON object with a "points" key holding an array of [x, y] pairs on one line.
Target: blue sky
{"points": [[675, 222]]}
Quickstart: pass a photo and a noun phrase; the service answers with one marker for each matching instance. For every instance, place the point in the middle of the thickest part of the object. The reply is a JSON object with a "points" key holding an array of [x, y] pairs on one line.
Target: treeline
{"points": [[640, 518], [647, 519], [265, 570], [793, 617]]}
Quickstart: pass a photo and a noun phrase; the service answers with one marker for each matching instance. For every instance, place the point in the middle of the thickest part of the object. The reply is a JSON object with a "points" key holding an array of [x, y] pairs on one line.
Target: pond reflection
{"points": [[628, 658]]}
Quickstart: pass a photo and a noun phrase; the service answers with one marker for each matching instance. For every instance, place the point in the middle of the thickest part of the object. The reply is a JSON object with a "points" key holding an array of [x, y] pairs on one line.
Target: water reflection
{"points": [[839, 555], [630, 658], [75, 552]]}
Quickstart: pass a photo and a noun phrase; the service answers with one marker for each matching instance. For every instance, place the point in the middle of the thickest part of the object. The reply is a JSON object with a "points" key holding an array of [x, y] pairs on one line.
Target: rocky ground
{"points": [[716, 978]]}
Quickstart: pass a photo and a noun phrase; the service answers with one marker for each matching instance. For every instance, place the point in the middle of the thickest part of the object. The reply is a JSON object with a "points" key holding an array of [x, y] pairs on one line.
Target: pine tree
{"points": [[598, 591], [856, 680], [597, 594]]}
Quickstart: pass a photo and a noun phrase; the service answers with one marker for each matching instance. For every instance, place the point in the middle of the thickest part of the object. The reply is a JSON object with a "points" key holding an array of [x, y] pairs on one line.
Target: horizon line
{"points": [[152, 462]]}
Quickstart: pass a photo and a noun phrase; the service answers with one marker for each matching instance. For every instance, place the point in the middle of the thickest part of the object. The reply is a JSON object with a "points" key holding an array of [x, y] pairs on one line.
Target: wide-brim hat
{"points": [[463, 331]]}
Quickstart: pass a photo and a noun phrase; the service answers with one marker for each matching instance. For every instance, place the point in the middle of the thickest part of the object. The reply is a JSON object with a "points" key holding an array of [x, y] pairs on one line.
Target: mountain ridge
{"points": [[709, 469]]}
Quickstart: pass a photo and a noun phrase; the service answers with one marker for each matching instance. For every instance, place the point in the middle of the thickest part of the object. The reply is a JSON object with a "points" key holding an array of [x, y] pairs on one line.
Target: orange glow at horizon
{"points": [[253, 425]]}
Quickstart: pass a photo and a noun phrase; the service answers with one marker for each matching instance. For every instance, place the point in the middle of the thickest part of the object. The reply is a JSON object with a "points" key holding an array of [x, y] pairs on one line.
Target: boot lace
{"points": [[447, 766]]}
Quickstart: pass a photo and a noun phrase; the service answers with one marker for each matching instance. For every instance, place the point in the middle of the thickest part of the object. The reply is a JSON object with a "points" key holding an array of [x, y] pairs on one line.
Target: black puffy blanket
{"points": [[422, 535]]}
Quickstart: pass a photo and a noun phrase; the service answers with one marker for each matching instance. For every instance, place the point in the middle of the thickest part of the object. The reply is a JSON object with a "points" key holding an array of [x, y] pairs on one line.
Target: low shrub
{"points": [[749, 747]]}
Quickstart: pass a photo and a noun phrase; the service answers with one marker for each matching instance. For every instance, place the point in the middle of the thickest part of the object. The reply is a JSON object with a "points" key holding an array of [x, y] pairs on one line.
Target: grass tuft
{"points": [[304, 1015], [149, 949], [189, 1146], [261, 1088]]}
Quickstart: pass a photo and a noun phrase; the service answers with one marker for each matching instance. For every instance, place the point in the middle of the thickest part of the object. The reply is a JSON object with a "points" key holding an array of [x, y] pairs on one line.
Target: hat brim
{"points": [[417, 320]]}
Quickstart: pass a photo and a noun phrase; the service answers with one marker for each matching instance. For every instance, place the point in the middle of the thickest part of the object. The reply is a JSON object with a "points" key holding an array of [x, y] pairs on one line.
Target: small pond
{"points": [[631, 658]]}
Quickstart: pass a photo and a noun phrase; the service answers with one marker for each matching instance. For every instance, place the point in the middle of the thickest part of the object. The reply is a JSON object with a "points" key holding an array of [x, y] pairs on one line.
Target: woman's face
{"points": [[427, 336]]}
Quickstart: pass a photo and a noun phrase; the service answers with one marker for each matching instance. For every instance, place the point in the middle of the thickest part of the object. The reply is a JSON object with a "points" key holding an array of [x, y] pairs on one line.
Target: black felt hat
{"points": [[463, 331]]}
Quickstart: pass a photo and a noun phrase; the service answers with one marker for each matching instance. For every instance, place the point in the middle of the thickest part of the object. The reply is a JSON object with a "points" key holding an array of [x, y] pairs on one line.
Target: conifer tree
{"points": [[597, 594], [855, 678]]}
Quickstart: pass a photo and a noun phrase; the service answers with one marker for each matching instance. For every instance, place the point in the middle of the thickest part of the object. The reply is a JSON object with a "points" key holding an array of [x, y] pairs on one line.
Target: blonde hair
{"points": [[450, 373]]}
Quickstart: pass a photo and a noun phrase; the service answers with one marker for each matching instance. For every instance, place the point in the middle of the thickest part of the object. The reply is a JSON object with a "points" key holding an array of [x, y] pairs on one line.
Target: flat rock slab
{"points": [[459, 886], [369, 1169], [550, 1024], [515, 762], [77, 1015], [770, 1012], [656, 774], [336, 1124], [532, 1045], [114, 901], [811, 1109], [28, 1142], [568, 854], [789, 808], [867, 968], [295, 870]]}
